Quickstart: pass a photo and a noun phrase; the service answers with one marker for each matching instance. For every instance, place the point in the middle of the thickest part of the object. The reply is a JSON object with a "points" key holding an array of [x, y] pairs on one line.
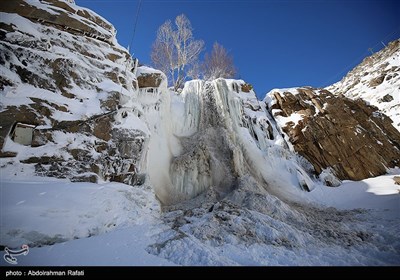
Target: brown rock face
{"points": [[349, 136], [149, 80]]}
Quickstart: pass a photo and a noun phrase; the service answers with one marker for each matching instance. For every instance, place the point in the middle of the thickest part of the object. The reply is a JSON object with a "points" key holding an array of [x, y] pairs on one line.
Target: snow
{"points": [[357, 83], [93, 212], [122, 247], [124, 213], [372, 193], [131, 121], [116, 224], [143, 70], [293, 118], [24, 25], [43, 6]]}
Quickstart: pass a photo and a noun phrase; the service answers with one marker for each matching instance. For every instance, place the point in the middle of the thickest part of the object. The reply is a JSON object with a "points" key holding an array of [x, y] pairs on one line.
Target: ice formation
{"points": [[211, 135]]}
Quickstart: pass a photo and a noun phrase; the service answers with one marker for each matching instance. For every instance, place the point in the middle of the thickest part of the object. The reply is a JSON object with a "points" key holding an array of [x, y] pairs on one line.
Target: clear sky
{"points": [[275, 44]]}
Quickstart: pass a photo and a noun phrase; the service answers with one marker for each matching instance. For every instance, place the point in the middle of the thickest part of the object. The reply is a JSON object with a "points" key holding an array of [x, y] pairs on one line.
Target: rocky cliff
{"points": [[64, 74], [354, 139]]}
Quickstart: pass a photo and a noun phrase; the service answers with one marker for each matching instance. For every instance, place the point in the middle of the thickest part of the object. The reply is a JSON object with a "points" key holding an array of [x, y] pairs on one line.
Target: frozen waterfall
{"points": [[211, 135]]}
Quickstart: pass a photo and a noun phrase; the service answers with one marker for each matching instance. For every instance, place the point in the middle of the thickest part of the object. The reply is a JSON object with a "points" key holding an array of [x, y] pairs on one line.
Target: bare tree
{"points": [[218, 64], [175, 50]]}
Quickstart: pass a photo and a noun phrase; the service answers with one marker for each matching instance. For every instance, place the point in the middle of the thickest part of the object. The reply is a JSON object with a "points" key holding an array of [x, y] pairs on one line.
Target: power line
{"points": [[135, 22], [133, 36]]}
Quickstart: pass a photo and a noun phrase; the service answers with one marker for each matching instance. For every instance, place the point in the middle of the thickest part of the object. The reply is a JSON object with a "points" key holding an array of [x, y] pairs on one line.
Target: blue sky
{"points": [[275, 44]]}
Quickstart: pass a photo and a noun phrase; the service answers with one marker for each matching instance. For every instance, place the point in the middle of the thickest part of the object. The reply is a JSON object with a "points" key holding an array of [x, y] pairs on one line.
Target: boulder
{"points": [[387, 98], [91, 178], [149, 80], [377, 81], [148, 77], [102, 128]]}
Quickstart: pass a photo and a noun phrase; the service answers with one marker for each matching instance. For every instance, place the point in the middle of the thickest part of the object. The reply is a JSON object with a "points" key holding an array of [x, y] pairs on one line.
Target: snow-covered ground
{"points": [[79, 223], [115, 224]]}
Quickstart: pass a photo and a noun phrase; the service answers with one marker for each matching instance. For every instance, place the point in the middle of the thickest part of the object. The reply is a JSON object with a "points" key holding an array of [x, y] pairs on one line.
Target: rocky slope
{"points": [[63, 73], [376, 80]]}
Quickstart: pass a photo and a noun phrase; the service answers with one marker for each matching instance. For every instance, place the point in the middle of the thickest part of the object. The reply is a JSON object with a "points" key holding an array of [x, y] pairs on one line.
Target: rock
{"points": [[129, 142], [79, 154], [102, 128], [12, 115], [111, 102], [42, 160], [246, 87], [4, 82], [349, 136], [41, 137], [63, 19], [92, 178], [377, 81], [387, 98], [149, 80], [396, 180], [72, 94], [8, 154]]}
